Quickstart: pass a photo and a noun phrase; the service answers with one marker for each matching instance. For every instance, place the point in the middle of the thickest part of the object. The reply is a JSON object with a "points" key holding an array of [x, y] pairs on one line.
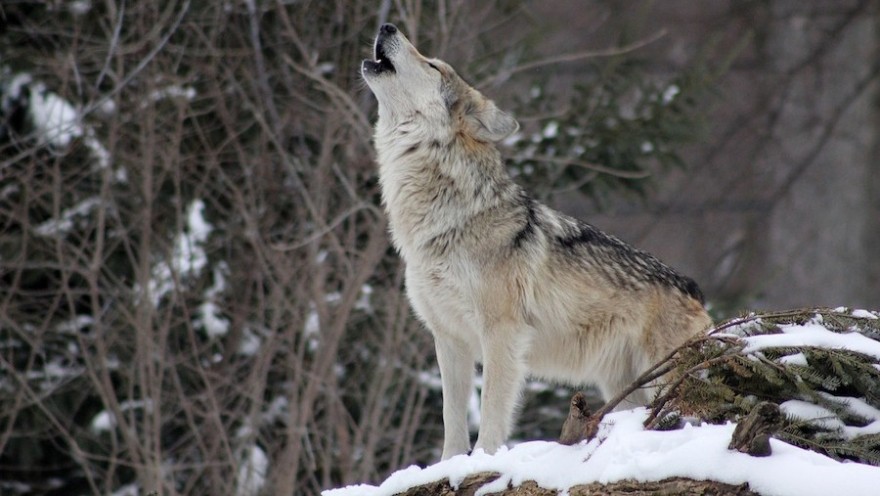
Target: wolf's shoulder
{"points": [[621, 262]]}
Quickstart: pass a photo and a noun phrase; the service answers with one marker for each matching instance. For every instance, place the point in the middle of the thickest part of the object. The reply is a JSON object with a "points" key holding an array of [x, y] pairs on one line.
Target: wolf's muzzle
{"points": [[382, 63]]}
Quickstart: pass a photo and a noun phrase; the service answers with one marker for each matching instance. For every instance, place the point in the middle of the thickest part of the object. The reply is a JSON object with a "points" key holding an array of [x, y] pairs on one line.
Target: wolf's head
{"points": [[409, 85]]}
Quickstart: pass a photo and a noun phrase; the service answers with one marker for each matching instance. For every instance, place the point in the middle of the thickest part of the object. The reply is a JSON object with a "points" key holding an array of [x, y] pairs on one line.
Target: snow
{"points": [[535, 92], [15, 487], [56, 120], [363, 302], [326, 68], [858, 406], [313, 324], [100, 154], [670, 93], [127, 490], [103, 421], [551, 130], [252, 472], [63, 224], [75, 324], [198, 228], [80, 7], [825, 418], [171, 92], [818, 415], [106, 420], [512, 139], [865, 314], [210, 316], [211, 320], [250, 343], [277, 411], [430, 379], [54, 373], [188, 257], [623, 450], [813, 334], [739, 327], [794, 359]]}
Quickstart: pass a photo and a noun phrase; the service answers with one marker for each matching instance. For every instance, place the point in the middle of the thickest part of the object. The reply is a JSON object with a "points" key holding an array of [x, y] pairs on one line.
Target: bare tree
{"points": [[198, 294]]}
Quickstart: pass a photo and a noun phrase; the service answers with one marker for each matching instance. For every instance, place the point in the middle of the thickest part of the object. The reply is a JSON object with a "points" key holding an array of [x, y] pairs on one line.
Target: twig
{"points": [[329, 227], [262, 77], [114, 43], [141, 65], [571, 57], [591, 166], [354, 114], [658, 370], [660, 402]]}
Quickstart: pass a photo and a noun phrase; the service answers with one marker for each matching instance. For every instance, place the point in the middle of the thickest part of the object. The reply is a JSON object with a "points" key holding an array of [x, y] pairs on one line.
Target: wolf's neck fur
{"points": [[436, 183]]}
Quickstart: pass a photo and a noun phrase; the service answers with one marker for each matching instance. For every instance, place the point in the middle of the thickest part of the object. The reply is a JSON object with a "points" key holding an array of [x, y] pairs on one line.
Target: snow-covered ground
{"points": [[625, 450]]}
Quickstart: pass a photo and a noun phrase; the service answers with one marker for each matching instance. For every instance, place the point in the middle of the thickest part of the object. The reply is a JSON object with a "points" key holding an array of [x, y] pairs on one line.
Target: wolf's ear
{"points": [[488, 123]]}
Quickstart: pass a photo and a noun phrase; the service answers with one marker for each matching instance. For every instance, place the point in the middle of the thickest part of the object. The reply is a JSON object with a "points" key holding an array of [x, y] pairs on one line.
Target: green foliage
{"points": [[716, 380]]}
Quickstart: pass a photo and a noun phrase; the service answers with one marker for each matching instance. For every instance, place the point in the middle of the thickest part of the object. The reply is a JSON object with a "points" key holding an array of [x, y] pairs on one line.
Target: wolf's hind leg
{"points": [[628, 367], [456, 363]]}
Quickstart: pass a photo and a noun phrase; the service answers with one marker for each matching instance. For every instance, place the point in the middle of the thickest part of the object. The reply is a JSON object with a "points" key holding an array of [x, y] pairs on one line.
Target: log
{"points": [[677, 486]]}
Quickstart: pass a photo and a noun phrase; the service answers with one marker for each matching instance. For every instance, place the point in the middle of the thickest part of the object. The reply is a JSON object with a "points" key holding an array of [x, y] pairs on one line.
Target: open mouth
{"points": [[382, 64], [382, 59], [385, 42]]}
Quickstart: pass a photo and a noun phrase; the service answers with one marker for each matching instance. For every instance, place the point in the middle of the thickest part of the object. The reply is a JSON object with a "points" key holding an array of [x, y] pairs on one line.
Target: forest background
{"points": [[197, 292]]}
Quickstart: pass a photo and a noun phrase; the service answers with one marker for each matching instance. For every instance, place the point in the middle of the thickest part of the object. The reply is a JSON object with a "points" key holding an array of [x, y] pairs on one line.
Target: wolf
{"points": [[496, 276]]}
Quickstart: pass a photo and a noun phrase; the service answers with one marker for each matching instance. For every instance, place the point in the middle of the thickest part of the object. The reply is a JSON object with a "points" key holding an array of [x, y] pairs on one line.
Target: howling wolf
{"points": [[496, 276]]}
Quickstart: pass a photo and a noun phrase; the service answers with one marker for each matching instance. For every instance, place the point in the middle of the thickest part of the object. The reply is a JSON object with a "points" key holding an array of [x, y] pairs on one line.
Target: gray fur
{"points": [[496, 276]]}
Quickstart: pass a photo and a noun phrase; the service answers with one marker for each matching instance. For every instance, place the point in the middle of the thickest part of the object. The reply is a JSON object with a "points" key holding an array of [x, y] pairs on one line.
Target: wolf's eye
{"points": [[432, 66]]}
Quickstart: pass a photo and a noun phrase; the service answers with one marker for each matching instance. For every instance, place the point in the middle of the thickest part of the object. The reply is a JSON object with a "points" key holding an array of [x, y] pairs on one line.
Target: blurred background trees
{"points": [[197, 293]]}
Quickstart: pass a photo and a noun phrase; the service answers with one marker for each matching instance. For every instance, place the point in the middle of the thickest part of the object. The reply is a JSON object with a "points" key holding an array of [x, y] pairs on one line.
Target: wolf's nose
{"points": [[388, 28]]}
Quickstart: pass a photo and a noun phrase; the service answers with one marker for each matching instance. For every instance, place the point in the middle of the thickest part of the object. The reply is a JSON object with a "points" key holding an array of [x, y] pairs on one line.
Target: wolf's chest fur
{"points": [[444, 195]]}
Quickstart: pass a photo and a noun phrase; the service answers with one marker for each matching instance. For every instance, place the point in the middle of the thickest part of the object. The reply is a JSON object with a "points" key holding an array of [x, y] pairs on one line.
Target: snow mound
{"points": [[624, 450]]}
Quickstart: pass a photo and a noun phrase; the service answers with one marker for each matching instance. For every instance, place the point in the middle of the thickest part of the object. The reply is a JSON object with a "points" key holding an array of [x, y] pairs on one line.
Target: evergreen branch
{"points": [[717, 382]]}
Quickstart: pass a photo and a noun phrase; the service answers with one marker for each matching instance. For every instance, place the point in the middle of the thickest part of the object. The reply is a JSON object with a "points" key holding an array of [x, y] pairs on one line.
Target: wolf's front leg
{"points": [[456, 363], [504, 373]]}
